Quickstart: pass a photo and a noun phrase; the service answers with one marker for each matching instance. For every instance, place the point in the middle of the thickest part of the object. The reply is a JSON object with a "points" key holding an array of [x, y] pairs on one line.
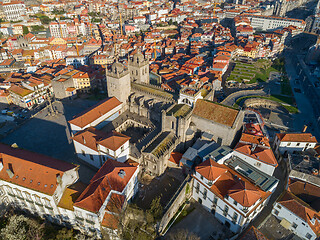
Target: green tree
{"points": [[25, 30], [170, 22]]}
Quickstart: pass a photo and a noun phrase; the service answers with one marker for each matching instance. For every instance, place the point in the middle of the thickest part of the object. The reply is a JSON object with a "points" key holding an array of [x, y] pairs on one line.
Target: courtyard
{"points": [[164, 187], [50, 135]]}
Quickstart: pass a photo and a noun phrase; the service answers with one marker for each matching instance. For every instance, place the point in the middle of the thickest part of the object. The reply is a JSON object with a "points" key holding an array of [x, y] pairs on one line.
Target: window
{"points": [[294, 225], [235, 202], [235, 217], [225, 211], [122, 148], [298, 144], [308, 236], [83, 153], [288, 144], [215, 200], [201, 177], [205, 192], [276, 212], [197, 188], [91, 157], [278, 206]]}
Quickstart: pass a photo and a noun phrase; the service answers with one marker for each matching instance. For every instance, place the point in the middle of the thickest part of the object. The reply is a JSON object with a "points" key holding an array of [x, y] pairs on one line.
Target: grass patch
{"points": [[256, 72]]}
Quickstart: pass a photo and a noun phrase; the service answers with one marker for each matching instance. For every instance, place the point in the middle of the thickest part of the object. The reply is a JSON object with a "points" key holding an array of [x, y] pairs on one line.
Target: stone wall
{"points": [[176, 201], [265, 103]]}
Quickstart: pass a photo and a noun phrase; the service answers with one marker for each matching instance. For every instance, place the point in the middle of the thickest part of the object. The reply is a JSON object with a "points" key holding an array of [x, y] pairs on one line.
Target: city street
{"points": [[50, 135], [305, 116]]}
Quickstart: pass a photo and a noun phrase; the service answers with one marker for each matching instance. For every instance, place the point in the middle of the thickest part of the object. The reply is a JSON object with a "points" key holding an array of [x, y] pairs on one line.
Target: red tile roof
{"points": [[302, 210], [296, 137], [105, 180], [32, 170], [261, 154], [215, 112], [91, 137], [228, 182], [95, 112]]}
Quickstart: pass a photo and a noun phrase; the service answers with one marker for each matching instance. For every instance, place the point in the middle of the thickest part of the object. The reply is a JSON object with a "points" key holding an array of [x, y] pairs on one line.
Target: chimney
{"points": [[253, 147], [10, 170], [59, 179], [304, 128]]}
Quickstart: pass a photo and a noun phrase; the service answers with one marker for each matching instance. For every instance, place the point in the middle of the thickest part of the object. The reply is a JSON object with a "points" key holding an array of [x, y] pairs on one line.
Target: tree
{"points": [[25, 30], [20, 227], [170, 22], [182, 234], [155, 208]]}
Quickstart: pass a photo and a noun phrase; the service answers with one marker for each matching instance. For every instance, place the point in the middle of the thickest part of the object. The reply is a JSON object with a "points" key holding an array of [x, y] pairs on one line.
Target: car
{"points": [[25, 110]]}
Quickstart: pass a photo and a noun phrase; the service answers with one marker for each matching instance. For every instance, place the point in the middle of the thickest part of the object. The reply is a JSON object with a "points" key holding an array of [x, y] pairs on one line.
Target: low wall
{"points": [[177, 200]]}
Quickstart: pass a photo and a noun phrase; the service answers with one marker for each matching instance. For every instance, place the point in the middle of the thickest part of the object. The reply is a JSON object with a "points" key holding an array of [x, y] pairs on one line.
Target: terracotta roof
{"points": [[302, 210], [228, 182], [253, 234], [296, 137], [19, 90], [210, 169], [175, 157], [215, 112], [91, 137], [70, 195], [304, 188], [248, 138], [262, 154], [106, 179], [244, 193], [32, 170], [95, 112]]}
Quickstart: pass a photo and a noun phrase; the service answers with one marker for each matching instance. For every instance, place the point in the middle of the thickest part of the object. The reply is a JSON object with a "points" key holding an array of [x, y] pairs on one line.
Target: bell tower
{"points": [[139, 68], [118, 82]]}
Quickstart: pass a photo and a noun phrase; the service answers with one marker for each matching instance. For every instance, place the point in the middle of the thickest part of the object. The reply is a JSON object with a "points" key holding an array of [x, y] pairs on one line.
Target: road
{"points": [[232, 98], [306, 114], [50, 135]]}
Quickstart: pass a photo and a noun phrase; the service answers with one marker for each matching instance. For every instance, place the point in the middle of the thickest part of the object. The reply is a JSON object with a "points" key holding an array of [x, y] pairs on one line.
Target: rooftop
{"points": [[258, 178], [93, 113], [31, 170], [179, 110], [215, 112]]}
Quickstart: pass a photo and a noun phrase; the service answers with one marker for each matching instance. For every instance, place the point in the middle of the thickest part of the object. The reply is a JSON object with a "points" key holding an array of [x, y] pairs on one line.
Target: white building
{"points": [[290, 142], [47, 187], [189, 96], [296, 216], [34, 182], [14, 10], [272, 22], [77, 61], [95, 147], [97, 116], [260, 157], [233, 199], [58, 29]]}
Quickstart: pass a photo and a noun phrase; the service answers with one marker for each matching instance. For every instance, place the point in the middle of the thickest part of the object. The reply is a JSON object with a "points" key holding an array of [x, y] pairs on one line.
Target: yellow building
{"points": [[82, 81], [58, 41]]}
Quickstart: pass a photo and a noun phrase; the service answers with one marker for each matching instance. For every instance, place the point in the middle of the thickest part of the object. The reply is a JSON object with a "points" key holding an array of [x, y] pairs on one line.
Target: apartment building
{"points": [[271, 22], [58, 29], [14, 10], [290, 142], [233, 199]]}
